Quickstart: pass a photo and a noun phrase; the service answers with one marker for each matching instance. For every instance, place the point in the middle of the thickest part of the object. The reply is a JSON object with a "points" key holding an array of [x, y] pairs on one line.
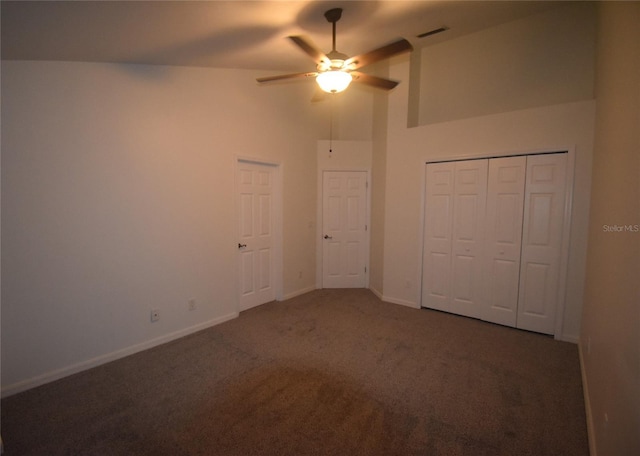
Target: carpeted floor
{"points": [[332, 372]]}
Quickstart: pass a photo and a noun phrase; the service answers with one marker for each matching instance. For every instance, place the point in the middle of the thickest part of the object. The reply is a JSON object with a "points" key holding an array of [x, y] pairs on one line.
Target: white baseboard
{"points": [[108, 357], [302, 291], [377, 293], [402, 302], [373, 290], [566, 338], [591, 433]]}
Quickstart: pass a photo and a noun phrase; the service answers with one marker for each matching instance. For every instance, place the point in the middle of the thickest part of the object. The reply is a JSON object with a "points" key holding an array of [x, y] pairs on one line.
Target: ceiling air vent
{"points": [[433, 32]]}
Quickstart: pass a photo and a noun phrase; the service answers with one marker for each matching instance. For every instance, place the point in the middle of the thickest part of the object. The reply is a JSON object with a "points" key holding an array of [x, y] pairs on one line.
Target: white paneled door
{"points": [[345, 238], [493, 239], [470, 197], [453, 239], [541, 242], [505, 203], [255, 189], [436, 282]]}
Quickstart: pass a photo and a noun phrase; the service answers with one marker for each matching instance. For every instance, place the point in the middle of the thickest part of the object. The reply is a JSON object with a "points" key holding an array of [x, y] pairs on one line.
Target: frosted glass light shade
{"points": [[333, 81]]}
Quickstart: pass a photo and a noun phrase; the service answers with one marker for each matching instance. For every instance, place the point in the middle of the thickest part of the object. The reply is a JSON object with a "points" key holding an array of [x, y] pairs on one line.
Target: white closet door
{"points": [[505, 205], [436, 270], [453, 237], [469, 202], [541, 242]]}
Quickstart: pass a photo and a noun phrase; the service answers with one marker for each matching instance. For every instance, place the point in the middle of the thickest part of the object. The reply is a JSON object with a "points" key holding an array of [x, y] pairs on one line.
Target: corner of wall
{"points": [[587, 403], [57, 374], [415, 65]]}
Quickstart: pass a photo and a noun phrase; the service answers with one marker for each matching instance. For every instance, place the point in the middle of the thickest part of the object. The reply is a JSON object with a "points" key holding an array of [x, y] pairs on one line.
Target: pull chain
{"points": [[331, 124]]}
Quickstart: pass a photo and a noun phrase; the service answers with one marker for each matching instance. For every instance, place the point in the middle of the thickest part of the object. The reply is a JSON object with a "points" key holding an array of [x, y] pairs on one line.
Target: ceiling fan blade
{"points": [[374, 81], [379, 54], [286, 76], [310, 49]]}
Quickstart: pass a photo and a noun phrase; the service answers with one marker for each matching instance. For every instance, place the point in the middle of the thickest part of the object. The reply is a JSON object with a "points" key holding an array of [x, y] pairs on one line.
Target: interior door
{"points": [[469, 202], [505, 205], [255, 188], [541, 242], [436, 273], [455, 202], [345, 239]]}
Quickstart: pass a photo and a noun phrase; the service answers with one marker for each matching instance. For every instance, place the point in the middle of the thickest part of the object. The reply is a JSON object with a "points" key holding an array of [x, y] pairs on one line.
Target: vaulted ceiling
{"points": [[233, 34]]}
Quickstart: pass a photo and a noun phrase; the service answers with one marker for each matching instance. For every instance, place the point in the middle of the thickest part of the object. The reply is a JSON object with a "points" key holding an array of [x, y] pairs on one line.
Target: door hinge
{"points": [[365, 269], [366, 227]]}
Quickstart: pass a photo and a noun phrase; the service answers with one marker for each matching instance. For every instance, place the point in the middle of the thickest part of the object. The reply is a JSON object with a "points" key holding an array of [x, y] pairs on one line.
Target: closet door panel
{"points": [[541, 242], [436, 269], [505, 206], [469, 204]]}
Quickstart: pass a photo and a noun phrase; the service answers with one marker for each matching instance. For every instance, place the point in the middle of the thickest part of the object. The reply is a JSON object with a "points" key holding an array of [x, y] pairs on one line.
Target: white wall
{"points": [[117, 197], [344, 155], [550, 128], [610, 337], [378, 192], [536, 61]]}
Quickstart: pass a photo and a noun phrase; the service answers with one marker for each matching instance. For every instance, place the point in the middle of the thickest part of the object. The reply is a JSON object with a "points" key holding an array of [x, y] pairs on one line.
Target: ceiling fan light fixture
{"points": [[334, 81], [335, 70]]}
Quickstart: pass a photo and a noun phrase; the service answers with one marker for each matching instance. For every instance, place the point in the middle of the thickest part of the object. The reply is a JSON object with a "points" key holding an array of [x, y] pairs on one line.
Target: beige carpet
{"points": [[332, 372]]}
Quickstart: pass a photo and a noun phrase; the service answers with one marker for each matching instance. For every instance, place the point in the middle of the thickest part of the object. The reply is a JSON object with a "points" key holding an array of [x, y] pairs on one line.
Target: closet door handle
{"points": [[326, 236], [240, 246]]}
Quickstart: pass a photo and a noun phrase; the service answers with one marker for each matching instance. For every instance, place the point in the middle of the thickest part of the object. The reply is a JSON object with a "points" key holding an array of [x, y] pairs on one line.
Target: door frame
{"points": [[277, 267], [320, 224], [566, 229]]}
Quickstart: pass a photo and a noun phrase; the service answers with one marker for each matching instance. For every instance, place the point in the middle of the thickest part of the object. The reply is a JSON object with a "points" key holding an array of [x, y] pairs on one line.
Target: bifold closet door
{"points": [[436, 269], [493, 239], [505, 205], [544, 207], [455, 204], [469, 205]]}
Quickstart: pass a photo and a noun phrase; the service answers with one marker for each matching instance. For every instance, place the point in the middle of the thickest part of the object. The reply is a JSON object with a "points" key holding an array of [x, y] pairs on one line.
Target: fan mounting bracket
{"points": [[333, 15]]}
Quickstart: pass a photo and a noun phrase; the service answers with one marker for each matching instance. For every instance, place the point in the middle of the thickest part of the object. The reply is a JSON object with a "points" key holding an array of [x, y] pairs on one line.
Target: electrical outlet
{"points": [[193, 305], [155, 315]]}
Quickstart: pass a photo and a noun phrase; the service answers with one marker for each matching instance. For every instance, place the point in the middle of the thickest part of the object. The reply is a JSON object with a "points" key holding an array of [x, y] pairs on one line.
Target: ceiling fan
{"points": [[335, 71]]}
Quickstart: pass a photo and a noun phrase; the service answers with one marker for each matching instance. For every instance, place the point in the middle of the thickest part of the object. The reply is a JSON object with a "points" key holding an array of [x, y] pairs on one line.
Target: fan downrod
{"points": [[333, 16]]}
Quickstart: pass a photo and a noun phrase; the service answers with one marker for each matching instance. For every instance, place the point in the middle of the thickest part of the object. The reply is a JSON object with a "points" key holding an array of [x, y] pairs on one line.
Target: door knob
{"points": [[241, 245], [326, 236]]}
